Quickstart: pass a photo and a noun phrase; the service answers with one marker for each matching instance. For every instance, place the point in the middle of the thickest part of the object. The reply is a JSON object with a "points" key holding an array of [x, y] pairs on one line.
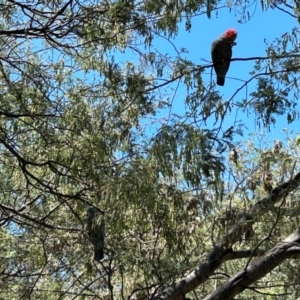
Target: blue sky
{"points": [[263, 25]]}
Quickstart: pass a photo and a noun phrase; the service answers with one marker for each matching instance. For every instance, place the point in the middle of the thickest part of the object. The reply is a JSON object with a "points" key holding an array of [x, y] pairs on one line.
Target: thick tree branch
{"points": [[222, 252], [244, 254], [288, 248]]}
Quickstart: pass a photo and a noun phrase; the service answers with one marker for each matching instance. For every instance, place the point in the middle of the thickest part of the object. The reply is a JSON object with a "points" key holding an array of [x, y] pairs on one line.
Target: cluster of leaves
{"points": [[78, 128]]}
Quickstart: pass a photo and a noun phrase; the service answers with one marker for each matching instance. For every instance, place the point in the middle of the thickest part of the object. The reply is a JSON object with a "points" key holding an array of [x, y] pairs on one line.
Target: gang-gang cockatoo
{"points": [[96, 231], [221, 52]]}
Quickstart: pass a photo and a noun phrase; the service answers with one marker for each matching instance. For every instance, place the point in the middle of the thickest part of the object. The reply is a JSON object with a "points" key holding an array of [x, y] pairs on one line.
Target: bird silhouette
{"points": [[96, 231]]}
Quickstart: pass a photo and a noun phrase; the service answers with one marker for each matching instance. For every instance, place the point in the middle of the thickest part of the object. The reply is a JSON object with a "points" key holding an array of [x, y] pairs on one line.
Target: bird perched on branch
{"points": [[96, 231], [234, 156], [221, 52]]}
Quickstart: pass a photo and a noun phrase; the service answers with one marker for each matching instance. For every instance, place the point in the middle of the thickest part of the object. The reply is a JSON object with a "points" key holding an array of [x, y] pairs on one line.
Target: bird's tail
{"points": [[220, 80], [99, 254]]}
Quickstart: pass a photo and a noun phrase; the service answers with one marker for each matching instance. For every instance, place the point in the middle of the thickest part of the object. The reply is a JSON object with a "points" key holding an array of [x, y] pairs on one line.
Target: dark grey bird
{"points": [[96, 231], [221, 52]]}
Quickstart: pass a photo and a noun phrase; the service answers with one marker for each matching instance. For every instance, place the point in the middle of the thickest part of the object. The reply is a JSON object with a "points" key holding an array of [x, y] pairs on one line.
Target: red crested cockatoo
{"points": [[221, 52]]}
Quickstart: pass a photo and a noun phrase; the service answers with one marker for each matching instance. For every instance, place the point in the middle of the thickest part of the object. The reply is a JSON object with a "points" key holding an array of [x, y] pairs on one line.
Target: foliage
{"points": [[81, 125]]}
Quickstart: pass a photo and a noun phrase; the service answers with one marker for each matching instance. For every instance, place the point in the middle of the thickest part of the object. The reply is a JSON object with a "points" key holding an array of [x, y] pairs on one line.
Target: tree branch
{"points": [[288, 248], [222, 252]]}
